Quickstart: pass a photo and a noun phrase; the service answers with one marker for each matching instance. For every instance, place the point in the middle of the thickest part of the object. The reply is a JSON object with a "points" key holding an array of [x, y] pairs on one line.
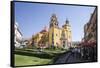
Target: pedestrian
{"points": [[82, 52]]}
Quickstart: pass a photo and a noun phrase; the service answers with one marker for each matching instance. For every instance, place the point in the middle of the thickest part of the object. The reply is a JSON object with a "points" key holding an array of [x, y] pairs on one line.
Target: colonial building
{"points": [[90, 28], [89, 44], [59, 37], [18, 36], [54, 36], [54, 32]]}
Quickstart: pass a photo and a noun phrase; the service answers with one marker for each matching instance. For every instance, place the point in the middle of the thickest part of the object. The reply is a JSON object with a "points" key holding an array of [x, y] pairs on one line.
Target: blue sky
{"points": [[32, 17]]}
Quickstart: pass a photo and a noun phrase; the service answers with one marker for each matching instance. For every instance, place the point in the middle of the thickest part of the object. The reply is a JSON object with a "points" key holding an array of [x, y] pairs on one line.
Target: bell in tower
{"points": [[53, 21]]}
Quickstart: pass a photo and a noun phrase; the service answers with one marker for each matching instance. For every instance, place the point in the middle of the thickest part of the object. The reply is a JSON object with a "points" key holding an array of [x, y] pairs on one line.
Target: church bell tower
{"points": [[53, 21]]}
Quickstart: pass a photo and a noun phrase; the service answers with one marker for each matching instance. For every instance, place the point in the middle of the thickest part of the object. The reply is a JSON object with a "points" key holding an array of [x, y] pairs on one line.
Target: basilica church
{"points": [[54, 36]]}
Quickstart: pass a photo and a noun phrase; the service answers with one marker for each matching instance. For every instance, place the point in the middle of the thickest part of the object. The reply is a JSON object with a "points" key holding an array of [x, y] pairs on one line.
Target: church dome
{"points": [[44, 30], [67, 22]]}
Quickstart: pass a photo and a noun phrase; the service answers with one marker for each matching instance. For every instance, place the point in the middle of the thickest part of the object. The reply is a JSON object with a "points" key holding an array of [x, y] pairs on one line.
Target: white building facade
{"points": [[18, 36]]}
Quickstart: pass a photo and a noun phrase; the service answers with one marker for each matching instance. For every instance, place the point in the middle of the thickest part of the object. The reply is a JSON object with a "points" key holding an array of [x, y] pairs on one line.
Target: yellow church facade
{"points": [[59, 37], [55, 36]]}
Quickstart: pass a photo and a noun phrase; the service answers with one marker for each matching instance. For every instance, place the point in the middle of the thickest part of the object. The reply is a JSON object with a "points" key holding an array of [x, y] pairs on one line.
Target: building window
{"points": [[52, 35], [90, 36], [63, 43], [56, 34], [87, 34], [63, 34]]}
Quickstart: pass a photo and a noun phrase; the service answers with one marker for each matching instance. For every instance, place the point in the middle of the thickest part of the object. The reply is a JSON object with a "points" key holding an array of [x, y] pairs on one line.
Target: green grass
{"points": [[27, 60], [31, 57]]}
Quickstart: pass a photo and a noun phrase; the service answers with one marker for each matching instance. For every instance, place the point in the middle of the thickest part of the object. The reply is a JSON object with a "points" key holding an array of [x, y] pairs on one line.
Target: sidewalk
{"points": [[68, 57], [62, 58]]}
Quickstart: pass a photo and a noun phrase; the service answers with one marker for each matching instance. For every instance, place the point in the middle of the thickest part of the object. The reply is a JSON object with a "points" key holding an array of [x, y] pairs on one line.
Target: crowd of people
{"points": [[85, 52]]}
